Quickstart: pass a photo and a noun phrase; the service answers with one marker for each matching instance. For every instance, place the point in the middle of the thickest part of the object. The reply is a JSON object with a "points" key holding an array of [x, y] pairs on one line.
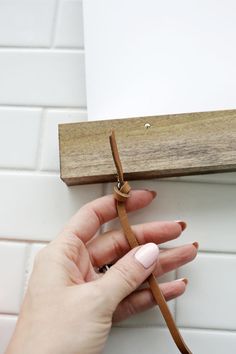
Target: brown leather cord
{"points": [[121, 193]]}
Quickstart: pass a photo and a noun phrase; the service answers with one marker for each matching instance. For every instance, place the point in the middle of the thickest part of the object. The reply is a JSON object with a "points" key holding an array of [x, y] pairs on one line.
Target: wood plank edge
{"points": [[72, 181]]}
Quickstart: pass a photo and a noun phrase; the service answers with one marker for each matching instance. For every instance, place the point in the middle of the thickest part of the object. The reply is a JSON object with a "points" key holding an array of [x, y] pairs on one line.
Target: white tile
{"points": [[209, 301], [12, 267], [208, 209], [158, 340], [42, 77], [207, 342], [50, 148], [140, 340], [19, 137], [69, 31], [7, 325], [151, 317], [33, 250], [26, 23], [37, 206]]}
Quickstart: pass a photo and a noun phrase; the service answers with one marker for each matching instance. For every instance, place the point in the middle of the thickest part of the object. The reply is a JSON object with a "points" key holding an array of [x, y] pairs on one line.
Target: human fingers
{"points": [[128, 273], [86, 222], [113, 244], [142, 300], [173, 258]]}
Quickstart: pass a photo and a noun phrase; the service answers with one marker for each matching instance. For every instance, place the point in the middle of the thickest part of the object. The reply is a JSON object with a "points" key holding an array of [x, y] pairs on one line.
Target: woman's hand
{"points": [[69, 306]]}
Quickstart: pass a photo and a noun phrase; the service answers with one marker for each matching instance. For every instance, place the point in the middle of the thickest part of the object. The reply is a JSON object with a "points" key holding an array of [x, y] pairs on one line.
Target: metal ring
{"points": [[104, 268]]}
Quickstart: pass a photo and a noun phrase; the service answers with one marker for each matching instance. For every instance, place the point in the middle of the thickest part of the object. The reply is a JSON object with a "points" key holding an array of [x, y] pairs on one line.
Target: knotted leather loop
{"points": [[121, 194]]}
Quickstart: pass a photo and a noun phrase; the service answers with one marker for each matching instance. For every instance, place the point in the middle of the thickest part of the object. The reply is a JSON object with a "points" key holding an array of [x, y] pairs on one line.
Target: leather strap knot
{"points": [[123, 193]]}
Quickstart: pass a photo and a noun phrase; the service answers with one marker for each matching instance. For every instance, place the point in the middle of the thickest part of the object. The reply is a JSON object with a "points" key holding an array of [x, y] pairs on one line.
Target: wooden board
{"points": [[171, 145]]}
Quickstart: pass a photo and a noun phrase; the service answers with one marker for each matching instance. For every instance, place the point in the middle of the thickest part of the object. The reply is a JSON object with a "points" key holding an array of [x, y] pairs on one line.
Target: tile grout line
{"points": [[39, 47], [218, 253], [40, 141], [29, 172], [12, 314], [176, 299], [55, 23], [23, 49], [81, 109], [175, 303], [26, 269], [23, 240], [190, 328]]}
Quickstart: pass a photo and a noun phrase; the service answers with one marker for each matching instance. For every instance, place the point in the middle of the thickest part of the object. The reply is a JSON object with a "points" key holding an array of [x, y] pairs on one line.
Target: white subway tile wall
{"points": [[69, 32], [7, 325], [212, 292], [26, 23], [12, 266], [35, 207], [150, 340], [42, 77], [19, 150], [42, 85]]}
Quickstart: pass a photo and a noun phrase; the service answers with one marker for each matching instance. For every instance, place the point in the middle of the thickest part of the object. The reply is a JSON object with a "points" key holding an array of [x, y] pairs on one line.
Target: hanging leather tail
{"points": [[121, 193]]}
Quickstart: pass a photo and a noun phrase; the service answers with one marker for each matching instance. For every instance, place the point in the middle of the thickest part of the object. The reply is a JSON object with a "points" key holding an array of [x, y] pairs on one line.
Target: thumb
{"points": [[129, 272]]}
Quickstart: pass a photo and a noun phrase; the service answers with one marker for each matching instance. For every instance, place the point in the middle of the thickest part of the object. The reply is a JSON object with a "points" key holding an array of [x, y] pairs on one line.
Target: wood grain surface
{"points": [[149, 147]]}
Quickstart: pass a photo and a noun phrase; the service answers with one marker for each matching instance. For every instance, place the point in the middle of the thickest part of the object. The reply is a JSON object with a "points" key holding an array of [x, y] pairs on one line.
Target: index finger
{"points": [[86, 222]]}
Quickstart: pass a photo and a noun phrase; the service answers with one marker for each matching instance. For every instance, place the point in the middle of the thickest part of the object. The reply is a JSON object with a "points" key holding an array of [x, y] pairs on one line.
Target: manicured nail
{"points": [[147, 254], [182, 224], [196, 245], [154, 194], [185, 280]]}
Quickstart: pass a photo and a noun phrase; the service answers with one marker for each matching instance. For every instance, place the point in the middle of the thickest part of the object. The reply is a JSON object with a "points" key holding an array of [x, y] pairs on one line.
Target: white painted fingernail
{"points": [[147, 254]]}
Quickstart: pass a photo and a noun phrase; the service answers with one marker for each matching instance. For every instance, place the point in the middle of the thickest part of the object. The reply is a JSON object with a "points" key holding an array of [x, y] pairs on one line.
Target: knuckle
{"points": [[128, 275]]}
